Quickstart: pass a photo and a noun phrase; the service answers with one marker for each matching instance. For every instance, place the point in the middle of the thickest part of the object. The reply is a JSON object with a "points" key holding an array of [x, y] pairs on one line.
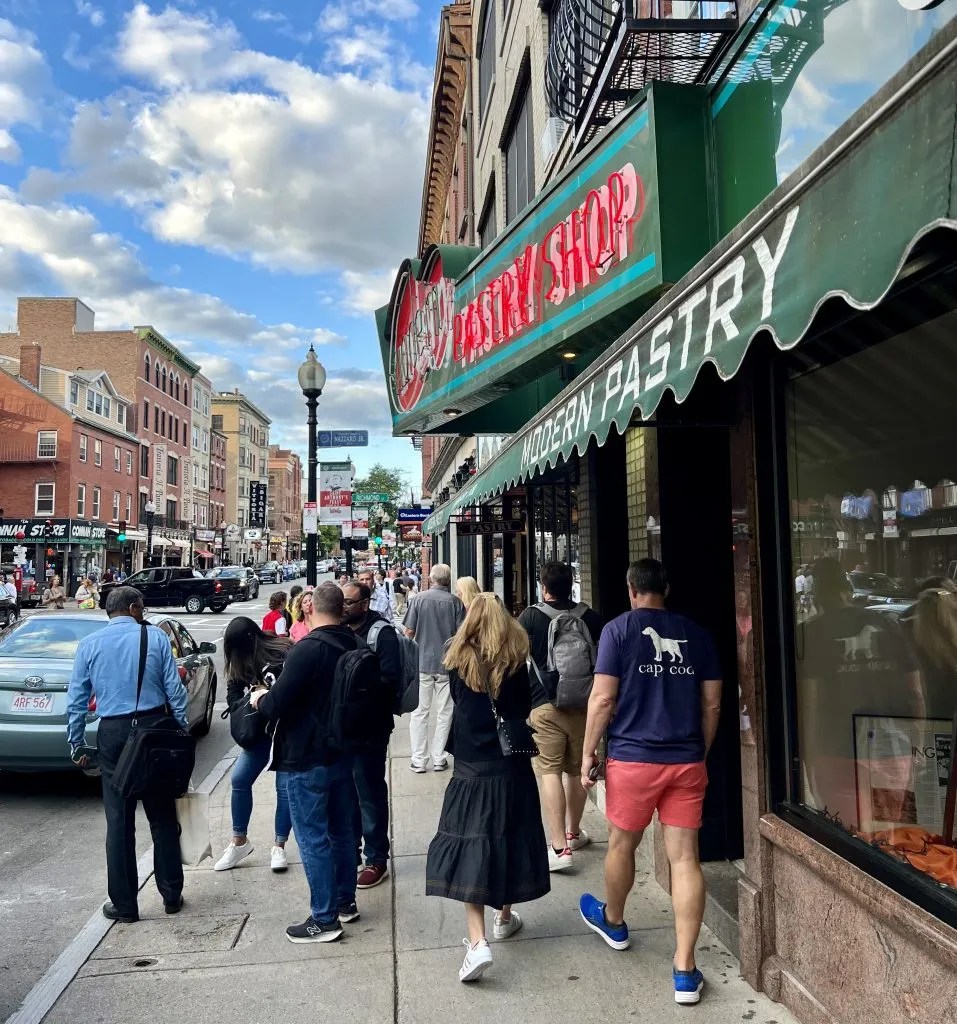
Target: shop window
{"points": [[486, 56], [44, 499], [84, 441], [96, 503], [97, 452], [81, 501], [487, 226], [46, 444], [872, 448], [520, 159]]}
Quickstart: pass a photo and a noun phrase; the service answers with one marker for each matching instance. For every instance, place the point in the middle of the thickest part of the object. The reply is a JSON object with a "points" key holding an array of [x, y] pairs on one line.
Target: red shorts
{"points": [[635, 789]]}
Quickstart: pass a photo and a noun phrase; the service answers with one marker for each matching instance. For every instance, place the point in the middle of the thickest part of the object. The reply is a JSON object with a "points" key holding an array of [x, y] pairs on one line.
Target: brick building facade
{"points": [[285, 503], [217, 479]]}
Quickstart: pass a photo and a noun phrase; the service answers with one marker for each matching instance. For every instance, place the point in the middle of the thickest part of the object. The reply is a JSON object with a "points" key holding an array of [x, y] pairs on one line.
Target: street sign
{"points": [[343, 438], [335, 492], [414, 515], [310, 517], [369, 497], [257, 504]]}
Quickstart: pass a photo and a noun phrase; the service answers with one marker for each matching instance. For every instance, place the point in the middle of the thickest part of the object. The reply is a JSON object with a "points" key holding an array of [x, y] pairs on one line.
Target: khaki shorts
{"points": [[560, 737]]}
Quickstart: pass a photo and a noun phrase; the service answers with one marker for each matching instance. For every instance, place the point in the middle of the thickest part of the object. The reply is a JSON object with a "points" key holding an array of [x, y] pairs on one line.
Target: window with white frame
{"points": [[96, 503], [129, 507], [90, 394], [196, 438], [81, 501], [106, 407], [46, 444], [205, 404], [202, 515], [83, 445], [206, 441], [97, 452], [116, 458], [205, 476], [45, 494], [129, 463], [195, 475], [74, 392], [116, 506]]}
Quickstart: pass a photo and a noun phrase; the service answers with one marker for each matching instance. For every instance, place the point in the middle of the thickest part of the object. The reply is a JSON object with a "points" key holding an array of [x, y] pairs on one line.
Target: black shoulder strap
{"points": [[324, 638], [144, 647]]}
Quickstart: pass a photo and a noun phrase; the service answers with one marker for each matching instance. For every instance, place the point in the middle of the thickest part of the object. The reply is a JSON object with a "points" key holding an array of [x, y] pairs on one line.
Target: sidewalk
{"points": [[226, 957]]}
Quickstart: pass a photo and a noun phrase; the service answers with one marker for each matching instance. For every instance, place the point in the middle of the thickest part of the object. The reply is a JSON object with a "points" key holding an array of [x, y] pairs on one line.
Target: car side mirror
{"points": [[207, 648]]}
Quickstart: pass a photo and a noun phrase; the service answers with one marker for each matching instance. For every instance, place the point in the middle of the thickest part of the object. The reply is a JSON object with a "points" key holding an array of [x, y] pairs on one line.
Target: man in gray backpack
{"points": [[562, 637]]}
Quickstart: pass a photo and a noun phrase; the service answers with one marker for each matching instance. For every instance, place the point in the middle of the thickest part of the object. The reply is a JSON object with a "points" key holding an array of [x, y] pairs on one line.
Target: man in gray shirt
{"points": [[433, 619]]}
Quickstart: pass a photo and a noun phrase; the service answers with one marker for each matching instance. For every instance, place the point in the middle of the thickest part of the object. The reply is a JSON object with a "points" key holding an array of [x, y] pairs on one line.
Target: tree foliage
{"points": [[387, 481]]}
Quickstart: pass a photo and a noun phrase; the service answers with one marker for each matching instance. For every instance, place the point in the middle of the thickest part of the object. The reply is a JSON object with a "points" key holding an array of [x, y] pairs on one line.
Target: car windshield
{"points": [[46, 639], [231, 572]]}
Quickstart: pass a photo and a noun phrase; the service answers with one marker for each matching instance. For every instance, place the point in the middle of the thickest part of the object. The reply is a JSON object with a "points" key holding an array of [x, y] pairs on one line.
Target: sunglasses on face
{"points": [[354, 600]]}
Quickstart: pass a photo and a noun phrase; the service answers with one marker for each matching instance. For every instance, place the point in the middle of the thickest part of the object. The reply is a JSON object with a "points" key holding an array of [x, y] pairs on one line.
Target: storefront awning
{"points": [[203, 553], [162, 542], [178, 542], [842, 225]]}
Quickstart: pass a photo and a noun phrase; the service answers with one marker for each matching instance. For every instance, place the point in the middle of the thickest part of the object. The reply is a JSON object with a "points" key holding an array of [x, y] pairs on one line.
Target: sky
{"points": [[244, 177]]}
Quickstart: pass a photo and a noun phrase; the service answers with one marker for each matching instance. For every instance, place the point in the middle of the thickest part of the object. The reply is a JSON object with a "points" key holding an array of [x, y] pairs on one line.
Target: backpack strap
{"points": [[141, 670], [579, 610], [323, 637], [375, 629], [548, 610]]}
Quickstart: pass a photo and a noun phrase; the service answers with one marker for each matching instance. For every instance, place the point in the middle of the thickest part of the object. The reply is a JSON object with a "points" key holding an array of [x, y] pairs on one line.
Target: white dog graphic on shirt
{"points": [[663, 645]]}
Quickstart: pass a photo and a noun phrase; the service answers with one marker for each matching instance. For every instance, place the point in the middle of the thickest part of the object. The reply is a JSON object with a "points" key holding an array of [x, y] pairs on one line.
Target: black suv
{"points": [[248, 580], [269, 572], [174, 586]]}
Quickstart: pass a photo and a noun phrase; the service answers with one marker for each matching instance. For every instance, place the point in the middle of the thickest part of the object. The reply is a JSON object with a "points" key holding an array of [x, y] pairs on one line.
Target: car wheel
{"points": [[218, 607], [194, 605], [202, 727]]}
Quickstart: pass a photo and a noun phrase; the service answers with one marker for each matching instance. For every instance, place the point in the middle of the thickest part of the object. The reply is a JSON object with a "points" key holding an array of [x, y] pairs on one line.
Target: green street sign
{"points": [[369, 497]]}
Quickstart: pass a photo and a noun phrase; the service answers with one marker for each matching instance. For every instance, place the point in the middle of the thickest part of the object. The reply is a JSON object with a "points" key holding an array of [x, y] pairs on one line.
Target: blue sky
{"points": [[243, 176]]}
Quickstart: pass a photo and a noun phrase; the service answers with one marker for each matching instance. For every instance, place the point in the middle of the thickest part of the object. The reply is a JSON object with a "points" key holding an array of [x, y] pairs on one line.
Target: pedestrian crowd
{"points": [[530, 713]]}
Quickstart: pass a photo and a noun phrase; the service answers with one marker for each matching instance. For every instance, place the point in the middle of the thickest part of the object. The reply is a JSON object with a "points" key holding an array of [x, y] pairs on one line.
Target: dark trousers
{"points": [[371, 819], [122, 881]]}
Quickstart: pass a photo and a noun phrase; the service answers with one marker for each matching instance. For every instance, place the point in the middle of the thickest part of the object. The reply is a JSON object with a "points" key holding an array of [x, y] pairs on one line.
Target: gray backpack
{"points": [[571, 655], [407, 700]]}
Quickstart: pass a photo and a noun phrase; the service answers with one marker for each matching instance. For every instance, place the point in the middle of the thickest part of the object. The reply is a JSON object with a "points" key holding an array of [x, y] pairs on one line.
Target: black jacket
{"points": [[536, 624], [299, 702], [390, 663]]}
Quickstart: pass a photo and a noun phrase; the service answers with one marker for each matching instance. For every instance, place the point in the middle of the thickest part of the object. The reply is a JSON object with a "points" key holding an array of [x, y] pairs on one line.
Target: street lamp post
{"points": [[312, 379], [150, 509]]}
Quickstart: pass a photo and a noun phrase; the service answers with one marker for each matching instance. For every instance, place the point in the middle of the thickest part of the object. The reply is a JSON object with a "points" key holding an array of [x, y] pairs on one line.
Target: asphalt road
{"points": [[52, 833]]}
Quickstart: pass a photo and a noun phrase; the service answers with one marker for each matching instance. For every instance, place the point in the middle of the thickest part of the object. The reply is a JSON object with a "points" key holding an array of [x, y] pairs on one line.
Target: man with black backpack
{"points": [[369, 764], [327, 693], [563, 637]]}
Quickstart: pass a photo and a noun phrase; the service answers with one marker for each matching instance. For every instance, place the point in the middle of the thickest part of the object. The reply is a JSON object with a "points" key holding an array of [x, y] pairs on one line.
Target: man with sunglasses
{"points": [[369, 764]]}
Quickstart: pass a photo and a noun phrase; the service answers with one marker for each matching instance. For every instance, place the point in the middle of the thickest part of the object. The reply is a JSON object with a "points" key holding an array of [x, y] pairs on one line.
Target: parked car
{"points": [[36, 662], [290, 571], [269, 572], [8, 610], [248, 580], [30, 594], [174, 586], [875, 588]]}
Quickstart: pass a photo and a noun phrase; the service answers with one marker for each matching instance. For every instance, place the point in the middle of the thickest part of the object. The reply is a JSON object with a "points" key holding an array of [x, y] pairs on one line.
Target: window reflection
{"points": [[873, 456]]}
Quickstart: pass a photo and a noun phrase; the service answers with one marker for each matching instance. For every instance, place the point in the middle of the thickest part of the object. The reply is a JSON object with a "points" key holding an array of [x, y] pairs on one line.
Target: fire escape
{"points": [[602, 52]]}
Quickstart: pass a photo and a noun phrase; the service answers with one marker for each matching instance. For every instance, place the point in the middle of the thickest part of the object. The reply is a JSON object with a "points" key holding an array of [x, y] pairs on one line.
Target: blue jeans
{"points": [[372, 812], [322, 801], [246, 770]]}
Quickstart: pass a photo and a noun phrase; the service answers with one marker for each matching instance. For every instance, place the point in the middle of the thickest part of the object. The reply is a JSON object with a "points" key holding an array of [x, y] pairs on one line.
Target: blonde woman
{"points": [[467, 588], [301, 610], [490, 848]]}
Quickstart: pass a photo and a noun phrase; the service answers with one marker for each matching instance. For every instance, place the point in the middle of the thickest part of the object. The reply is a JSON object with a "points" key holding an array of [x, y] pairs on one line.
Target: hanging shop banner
{"points": [[335, 492], [360, 522], [258, 504], [410, 532], [826, 232], [186, 487], [413, 515], [205, 535], [588, 247], [160, 469], [310, 517]]}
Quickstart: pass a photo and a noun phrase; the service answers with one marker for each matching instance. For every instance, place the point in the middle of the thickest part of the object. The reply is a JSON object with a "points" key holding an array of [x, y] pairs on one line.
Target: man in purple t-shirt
{"points": [[658, 693]]}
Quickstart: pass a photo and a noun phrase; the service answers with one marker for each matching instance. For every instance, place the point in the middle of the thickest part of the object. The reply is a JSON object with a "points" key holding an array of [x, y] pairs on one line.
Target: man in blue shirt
{"points": [[658, 693], [107, 665]]}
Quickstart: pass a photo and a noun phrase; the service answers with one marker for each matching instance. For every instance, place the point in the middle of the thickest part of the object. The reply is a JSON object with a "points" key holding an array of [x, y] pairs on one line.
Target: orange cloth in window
{"points": [[918, 848]]}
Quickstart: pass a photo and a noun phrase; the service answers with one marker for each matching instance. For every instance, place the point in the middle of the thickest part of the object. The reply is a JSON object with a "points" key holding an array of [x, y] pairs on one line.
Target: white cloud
{"points": [[24, 76], [9, 150], [337, 17], [86, 10], [267, 16], [66, 245], [248, 155], [366, 291]]}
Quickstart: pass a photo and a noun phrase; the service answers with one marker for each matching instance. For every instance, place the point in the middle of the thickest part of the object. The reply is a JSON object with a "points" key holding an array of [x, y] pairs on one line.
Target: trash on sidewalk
{"points": [[192, 812]]}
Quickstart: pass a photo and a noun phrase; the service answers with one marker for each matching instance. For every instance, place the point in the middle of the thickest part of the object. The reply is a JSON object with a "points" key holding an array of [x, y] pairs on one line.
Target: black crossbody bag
{"points": [[157, 758], [514, 734]]}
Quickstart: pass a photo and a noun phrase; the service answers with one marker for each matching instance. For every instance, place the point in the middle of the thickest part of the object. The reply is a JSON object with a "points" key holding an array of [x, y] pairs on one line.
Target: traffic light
{"points": [[378, 542], [121, 531]]}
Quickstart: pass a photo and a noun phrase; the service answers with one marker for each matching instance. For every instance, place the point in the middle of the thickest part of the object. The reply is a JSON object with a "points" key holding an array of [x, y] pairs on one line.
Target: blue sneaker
{"points": [[593, 914], [688, 986]]}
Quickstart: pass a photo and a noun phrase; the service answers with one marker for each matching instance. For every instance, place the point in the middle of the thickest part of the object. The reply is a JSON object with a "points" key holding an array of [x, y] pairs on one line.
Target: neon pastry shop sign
{"points": [[567, 258]]}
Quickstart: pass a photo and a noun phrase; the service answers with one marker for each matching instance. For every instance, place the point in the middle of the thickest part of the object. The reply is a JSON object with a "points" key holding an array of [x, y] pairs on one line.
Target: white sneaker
{"points": [[439, 766], [478, 959], [502, 930], [563, 861], [419, 769], [232, 855], [575, 841], [277, 859]]}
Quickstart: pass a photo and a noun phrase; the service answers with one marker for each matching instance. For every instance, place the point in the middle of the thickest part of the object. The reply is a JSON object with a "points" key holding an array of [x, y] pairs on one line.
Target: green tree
{"points": [[387, 481], [328, 539]]}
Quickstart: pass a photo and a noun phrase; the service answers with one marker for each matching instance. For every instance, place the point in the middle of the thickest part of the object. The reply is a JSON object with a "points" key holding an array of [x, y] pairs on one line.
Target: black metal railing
{"points": [[603, 52]]}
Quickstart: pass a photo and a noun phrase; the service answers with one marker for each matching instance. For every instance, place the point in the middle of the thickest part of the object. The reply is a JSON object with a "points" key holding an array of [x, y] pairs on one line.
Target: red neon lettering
{"points": [[594, 230], [508, 322], [458, 337], [549, 248], [572, 279]]}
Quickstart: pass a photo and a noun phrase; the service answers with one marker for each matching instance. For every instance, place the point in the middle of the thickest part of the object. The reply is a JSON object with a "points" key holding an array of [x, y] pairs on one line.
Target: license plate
{"points": [[32, 703]]}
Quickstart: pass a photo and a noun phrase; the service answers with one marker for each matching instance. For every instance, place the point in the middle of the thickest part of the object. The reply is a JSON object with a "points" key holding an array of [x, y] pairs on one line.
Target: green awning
{"points": [[842, 225]]}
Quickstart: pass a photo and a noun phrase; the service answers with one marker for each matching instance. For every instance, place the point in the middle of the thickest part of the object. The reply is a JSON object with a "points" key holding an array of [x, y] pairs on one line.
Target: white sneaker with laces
{"points": [[576, 841], [478, 959], [563, 861], [278, 860], [502, 930], [232, 855]]}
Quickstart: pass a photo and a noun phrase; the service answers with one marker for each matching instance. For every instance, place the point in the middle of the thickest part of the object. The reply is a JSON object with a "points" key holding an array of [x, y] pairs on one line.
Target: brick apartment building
{"points": [[217, 479], [68, 456], [200, 454], [285, 503], [143, 366]]}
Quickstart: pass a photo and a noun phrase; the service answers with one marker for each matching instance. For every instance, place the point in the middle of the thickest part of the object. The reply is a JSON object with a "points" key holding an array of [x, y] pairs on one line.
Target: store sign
{"points": [[584, 248], [206, 535], [252, 535], [335, 492], [257, 504], [160, 469], [856, 508], [413, 515], [87, 533], [62, 531], [411, 532], [489, 527]]}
